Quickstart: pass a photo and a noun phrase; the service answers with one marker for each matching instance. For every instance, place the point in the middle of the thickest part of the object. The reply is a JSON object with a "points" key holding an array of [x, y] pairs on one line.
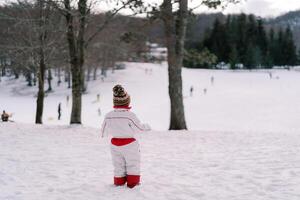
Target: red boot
{"points": [[133, 180], [118, 181]]}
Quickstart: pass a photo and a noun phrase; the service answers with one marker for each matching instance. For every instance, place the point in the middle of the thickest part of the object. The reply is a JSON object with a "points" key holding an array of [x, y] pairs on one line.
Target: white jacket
{"points": [[122, 123]]}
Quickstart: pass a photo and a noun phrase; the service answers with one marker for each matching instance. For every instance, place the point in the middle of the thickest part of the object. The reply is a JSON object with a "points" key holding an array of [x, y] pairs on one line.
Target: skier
{"points": [[4, 116], [191, 91], [98, 97], [59, 111], [68, 98], [99, 112], [122, 125], [212, 80], [204, 90], [270, 75]]}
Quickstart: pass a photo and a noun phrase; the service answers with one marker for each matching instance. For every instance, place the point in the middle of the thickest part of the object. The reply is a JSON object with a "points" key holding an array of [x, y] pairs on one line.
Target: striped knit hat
{"points": [[121, 97]]}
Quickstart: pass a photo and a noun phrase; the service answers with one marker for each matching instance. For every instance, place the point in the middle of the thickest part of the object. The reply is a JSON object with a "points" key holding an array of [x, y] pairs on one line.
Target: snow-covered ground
{"points": [[238, 101], [74, 163], [243, 142]]}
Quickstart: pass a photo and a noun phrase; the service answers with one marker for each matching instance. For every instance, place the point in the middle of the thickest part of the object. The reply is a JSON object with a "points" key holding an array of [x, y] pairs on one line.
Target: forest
{"points": [[242, 40]]}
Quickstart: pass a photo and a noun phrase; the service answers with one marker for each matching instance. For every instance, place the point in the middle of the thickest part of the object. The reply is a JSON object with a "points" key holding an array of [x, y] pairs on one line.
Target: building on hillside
{"points": [[155, 52]]}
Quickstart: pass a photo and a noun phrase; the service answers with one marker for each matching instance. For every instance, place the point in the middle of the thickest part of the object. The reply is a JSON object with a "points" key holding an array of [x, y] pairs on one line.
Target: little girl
{"points": [[122, 125]]}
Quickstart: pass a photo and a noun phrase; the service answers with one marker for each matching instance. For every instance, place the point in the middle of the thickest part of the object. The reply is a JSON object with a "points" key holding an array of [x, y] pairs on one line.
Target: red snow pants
{"points": [[126, 161]]}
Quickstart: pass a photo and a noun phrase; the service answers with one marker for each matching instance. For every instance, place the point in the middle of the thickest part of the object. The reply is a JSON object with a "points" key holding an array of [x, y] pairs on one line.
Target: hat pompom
{"points": [[118, 91]]}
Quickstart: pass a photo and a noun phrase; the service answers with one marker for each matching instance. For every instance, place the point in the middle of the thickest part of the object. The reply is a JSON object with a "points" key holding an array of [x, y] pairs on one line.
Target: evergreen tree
{"points": [[233, 57], [298, 57], [289, 49], [218, 42], [278, 48], [243, 39], [253, 57], [269, 61], [262, 40], [242, 36]]}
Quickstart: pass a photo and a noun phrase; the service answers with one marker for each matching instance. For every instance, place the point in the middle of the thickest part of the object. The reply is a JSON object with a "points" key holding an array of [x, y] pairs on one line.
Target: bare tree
{"points": [[77, 21], [175, 30], [30, 42], [43, 16]]}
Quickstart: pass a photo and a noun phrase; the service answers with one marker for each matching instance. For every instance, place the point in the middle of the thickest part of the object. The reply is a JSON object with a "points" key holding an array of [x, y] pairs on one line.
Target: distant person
{"points": [[212, 80], [270, 75], [191, 91], [123, 125], [99, 112], [98, 97], [4, 116], [204, 90], [59, 111], [68, 99]]}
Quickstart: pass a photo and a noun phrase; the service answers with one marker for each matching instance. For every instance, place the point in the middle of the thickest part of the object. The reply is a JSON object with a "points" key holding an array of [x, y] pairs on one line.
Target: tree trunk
{"points": [[34, 78], [3, 63], [49, 79], [3, 71], [76, 95], [174, 35], [66, 74], [75, 69], [88, 74], [42, 67], [29, 78], [16, 73], [59, 76], [69, 79], [95, 73], [41, 93], [76, 51]]}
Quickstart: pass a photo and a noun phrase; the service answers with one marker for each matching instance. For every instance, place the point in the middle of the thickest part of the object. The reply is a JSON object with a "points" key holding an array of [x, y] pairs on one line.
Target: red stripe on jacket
{"points": [[122, 107], [122, 141]]}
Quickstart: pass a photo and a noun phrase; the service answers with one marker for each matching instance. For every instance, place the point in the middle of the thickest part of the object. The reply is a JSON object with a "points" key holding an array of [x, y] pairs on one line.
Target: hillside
{"points": [[236, 101], [72, 162], [198, 24], [291, 19]]}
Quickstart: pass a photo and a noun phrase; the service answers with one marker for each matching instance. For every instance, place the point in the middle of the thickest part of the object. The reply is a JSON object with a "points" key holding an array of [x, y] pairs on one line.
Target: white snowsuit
{"points": [[121, 124]]}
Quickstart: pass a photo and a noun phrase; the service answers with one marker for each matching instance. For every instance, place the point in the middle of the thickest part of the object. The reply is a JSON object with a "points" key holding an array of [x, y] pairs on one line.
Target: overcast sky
{"points": [[265, 8]]}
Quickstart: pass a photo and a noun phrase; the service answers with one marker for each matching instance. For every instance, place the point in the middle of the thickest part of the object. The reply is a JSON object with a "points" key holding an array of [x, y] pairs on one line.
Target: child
{"points": [[4, 116], [122, 125]]}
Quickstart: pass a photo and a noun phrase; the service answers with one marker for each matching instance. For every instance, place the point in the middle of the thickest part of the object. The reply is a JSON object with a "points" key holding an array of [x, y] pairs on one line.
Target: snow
{"points": [[243, 142], [67, 162], [238, 101]]}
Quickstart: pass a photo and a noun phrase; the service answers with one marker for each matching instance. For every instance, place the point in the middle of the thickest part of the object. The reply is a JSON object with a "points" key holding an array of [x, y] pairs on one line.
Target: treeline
{"points": [[42, 38], [21, 30], [243, 39]]}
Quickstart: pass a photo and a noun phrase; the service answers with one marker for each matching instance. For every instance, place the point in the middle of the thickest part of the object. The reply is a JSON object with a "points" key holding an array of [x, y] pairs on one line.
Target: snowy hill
{"points": [[64, 162], [245, 144], [237, 101], [291, 19]]}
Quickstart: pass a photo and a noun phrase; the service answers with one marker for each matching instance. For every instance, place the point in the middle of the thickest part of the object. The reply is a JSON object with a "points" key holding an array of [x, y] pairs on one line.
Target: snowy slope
{"points": [[73, 163], [245, 144], [238, 101]]}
